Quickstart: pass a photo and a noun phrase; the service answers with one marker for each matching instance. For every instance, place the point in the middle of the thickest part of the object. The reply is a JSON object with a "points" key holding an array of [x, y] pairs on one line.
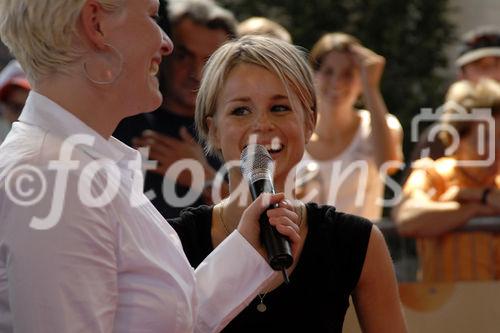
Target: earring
{"points": [[105, 67]]}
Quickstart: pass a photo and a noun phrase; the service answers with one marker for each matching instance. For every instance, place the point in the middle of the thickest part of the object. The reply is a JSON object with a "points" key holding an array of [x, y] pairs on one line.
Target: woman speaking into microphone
{"points": [[260, 90]]}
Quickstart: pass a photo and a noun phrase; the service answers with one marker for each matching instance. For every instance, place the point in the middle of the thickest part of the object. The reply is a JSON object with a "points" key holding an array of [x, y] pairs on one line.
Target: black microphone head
{"points": [[256, 163]]}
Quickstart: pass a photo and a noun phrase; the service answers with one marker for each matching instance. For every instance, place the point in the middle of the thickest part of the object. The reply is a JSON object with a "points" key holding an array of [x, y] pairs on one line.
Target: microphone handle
{"points": [[277, 246]]}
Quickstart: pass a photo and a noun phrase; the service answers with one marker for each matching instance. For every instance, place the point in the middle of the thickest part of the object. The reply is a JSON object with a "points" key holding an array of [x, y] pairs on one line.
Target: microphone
{"points": [[257, 168]]}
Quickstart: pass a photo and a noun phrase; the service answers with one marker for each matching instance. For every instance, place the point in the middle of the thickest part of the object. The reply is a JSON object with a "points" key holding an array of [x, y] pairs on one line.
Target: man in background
{"points": [[198, 28]]}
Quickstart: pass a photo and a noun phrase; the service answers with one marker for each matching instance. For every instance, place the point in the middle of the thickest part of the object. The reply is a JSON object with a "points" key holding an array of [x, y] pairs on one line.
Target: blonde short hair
{"points": [[41, 33], [467, 96], [333, 41], [264, 27], [279, 57]]}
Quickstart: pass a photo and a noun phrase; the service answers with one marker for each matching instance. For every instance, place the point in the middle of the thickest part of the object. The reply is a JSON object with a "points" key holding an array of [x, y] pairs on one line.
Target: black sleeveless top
{"points": [[317, 297]]}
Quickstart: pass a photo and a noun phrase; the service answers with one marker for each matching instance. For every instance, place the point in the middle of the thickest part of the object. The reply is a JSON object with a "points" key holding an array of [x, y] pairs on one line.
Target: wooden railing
{"points": [[403, 249]]}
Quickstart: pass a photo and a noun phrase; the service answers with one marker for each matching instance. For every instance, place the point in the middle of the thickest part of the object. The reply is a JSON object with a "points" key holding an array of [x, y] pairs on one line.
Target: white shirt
{"points": [[351, 181], [115, 267]]}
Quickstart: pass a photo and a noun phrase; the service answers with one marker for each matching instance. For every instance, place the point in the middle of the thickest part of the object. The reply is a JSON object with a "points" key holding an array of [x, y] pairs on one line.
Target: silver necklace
{"points": [[261, 307]]}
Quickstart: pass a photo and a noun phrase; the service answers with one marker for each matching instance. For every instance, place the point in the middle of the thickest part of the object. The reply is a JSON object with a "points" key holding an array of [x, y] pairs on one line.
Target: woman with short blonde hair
{"points": [[82, 249], [260, 90], [286, 63]]}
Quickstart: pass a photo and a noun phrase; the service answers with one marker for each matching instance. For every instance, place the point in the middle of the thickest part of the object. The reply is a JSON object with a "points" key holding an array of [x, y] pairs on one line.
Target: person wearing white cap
{"points": [[479, 58], [480, 54]]}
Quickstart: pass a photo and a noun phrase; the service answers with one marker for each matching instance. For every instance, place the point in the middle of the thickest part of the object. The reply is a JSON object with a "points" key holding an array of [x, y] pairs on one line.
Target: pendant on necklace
{"points": [[261, 307]]}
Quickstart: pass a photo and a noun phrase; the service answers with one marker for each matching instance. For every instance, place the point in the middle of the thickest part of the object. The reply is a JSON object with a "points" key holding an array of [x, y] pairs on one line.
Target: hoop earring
{"points": [[105, 67]]}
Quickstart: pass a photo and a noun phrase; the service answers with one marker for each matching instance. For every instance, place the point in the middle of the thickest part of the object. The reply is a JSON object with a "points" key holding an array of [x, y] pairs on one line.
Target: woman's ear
{"points": [[213, 135], [91, 23]]}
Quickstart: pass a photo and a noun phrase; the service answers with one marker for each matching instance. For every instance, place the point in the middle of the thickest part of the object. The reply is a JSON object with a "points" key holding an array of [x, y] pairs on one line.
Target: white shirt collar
{"points": [[43, 112]]}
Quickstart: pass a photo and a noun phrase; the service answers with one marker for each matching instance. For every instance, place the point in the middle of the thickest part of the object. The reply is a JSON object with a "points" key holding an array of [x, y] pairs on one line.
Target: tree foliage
{"points": [[411, 34]]}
